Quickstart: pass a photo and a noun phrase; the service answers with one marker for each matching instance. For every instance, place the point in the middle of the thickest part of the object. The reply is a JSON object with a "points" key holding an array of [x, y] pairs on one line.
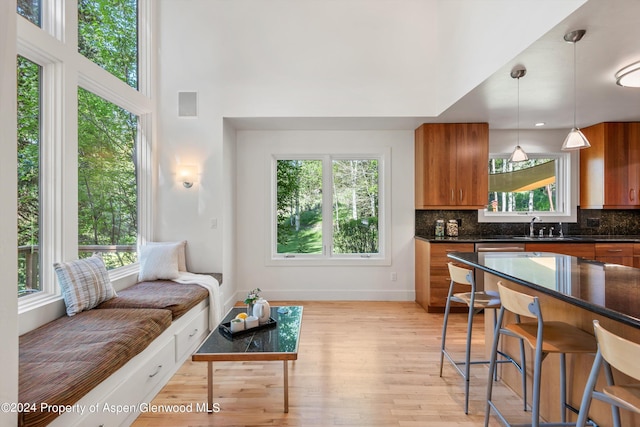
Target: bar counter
{"points": [[610, 290], [572, 290]]}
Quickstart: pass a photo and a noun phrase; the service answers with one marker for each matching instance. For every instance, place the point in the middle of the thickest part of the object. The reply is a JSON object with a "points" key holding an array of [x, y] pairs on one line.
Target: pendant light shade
{"points": [[518, 154], [576, 139]]}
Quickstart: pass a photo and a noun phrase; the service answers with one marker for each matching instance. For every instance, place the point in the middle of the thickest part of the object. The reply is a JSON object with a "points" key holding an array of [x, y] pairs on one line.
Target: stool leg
{"points": [[492, 366], [523, 366], [615, 411], [444, 326], [467, 357], [537, 368], [585, 404], [563, 387]]}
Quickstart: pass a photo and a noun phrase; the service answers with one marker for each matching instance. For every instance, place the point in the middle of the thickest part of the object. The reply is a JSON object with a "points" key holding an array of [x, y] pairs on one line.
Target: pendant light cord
{"points": [[518, 132], [575, 96]]}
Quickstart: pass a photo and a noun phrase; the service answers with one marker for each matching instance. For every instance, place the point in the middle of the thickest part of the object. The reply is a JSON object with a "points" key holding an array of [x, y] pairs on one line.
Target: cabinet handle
{"points": [[156, 372], [614, 250], [461, 194], [195, 331], [632, 195], [453, 197]]}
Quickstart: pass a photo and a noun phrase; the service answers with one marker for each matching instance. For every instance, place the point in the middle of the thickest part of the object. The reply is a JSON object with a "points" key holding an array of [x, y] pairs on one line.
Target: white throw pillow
{"points": [[182, 249], [85, 283], [158, 262]]}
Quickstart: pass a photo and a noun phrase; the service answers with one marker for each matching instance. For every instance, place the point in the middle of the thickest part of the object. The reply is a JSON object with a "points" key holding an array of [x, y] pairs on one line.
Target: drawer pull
{"points": [[195, 331], [614, 250], [156, 372]]}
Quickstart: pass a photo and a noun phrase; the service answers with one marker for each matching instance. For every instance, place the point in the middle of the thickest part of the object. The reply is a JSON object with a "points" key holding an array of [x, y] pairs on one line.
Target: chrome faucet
{"points": [[535, 218]]}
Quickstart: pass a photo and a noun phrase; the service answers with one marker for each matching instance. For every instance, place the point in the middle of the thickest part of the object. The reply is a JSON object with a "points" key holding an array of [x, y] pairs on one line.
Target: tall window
{"points": [[327, 207], [28, 176], [31, 10], [107, 180], [108, 36], [74, 116]]}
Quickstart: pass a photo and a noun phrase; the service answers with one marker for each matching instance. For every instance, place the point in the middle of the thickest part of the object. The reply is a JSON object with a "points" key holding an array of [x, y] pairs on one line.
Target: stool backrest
{"points": [[622, 354], [519, 303], [460, 275]]}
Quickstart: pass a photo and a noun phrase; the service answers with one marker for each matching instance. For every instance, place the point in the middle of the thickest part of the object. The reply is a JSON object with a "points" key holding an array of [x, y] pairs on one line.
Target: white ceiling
{"points": [[612, 41], [546, 92]]}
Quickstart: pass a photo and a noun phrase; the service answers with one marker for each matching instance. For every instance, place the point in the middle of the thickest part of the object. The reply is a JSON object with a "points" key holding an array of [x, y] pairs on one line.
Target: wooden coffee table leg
{"points": [[210, 387], [286, 386]]}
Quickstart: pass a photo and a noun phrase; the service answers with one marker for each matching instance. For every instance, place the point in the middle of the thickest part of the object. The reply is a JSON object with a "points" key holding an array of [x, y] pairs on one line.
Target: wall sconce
{"points": [[187, 175]]}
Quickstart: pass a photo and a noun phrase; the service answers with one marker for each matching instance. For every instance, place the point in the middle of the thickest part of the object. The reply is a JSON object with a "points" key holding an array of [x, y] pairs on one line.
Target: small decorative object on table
{"points": [[251, 299]]}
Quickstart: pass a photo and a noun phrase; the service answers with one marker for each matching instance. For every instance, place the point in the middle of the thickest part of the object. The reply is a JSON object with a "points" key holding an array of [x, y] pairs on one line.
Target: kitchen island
{"points": [[573, 290]]}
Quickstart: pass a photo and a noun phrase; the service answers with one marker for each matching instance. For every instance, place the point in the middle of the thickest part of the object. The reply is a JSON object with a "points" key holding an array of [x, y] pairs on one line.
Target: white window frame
{"points": [[64, 69], [566, 194], [328, 258]]}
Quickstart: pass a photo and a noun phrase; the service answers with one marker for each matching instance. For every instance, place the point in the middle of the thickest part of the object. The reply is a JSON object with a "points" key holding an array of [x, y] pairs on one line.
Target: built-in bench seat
{"points": [[163, 294], [118, 353]]}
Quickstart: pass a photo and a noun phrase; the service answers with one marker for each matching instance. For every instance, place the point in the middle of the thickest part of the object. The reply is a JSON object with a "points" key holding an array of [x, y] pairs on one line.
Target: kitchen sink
{"points": [[544, 239]]}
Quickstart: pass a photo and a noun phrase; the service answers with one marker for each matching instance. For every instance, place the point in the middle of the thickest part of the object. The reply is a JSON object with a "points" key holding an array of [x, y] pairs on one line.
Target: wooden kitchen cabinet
{"points": [[615, 253], [610, 169], [432, 274], [451, 165], [583, 250]]}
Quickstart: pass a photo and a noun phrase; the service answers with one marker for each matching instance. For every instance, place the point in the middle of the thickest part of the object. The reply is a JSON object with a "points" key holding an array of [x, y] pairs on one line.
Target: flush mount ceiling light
{"points": [[518, 154], [629, 76], [576, 139]]}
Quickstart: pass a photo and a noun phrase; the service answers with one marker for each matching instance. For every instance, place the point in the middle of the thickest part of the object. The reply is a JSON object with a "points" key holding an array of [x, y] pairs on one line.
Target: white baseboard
{"points": [[333, 295]]}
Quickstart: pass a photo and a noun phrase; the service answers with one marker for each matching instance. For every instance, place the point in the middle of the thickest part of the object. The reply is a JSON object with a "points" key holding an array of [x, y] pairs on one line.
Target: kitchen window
{"points": [[540, 186], [328, 208]]}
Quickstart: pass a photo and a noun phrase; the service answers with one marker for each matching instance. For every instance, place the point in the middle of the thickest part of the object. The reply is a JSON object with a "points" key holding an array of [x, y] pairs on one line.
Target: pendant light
{"points": [[576, 139], [518, 154]]}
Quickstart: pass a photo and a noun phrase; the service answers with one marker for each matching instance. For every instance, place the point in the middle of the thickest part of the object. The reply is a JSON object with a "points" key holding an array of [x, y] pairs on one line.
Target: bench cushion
{"points": [[164, 294], [63, 360]]}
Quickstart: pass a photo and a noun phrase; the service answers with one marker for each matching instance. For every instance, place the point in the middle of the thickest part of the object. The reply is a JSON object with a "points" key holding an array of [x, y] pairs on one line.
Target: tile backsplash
{"points": [[590, 222]]}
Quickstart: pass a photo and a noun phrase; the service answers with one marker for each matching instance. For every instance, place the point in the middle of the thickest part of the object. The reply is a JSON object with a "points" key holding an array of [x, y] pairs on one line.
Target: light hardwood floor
{"points": [[359, 364]]}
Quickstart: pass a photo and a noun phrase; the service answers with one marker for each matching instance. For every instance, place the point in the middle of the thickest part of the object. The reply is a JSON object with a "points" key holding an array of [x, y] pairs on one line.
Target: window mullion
{"points": [[327, 206]]}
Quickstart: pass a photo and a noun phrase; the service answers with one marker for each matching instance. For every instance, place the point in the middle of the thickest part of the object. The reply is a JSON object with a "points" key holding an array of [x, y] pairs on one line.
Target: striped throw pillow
{"points": [[85, 283]]}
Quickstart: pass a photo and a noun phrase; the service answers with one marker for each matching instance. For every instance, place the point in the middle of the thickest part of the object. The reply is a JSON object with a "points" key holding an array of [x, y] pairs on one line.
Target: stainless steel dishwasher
{"points": [[495, 247]]}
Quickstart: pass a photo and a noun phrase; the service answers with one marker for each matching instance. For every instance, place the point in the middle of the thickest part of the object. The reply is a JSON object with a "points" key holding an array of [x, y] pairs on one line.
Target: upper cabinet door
{"points": [[451, 166], [610, 169], [472, 171]]}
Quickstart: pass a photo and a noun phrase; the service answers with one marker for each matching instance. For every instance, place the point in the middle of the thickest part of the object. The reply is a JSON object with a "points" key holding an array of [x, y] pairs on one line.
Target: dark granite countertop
{"points": [[606, 289], [526, 239]]}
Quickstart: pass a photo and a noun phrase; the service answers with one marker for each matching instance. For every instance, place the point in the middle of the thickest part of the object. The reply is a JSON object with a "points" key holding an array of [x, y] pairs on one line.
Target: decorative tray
{"points": [[225, 328]]}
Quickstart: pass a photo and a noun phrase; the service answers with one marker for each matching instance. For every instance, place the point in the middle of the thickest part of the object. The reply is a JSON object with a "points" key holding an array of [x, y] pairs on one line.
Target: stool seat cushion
{"points": [[558, 337], [628, 396]]}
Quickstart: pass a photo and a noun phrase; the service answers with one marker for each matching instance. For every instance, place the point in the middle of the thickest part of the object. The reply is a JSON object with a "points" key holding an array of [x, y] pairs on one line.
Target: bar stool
{"points": [[476, 301], [622, 354], [544, 338]]}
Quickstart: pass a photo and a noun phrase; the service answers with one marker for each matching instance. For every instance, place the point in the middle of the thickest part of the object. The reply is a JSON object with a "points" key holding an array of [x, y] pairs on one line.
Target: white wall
{"points": [[310, 59], [325, 282], [8, 223]]}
